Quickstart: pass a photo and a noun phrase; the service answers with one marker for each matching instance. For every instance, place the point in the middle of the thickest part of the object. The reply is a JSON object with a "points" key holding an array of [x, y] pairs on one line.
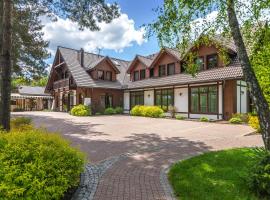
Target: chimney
{"points": [[81, 56]]}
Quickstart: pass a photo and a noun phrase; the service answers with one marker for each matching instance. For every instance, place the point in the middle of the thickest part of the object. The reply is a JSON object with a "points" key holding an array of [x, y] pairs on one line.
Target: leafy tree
{"points": [[86, 12], [260, 60], [177, 26]]}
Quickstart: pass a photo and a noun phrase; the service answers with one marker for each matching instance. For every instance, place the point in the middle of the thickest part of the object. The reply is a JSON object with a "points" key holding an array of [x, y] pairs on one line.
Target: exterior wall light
{"points": [[180, 94], [149, 95], [242, 92]]}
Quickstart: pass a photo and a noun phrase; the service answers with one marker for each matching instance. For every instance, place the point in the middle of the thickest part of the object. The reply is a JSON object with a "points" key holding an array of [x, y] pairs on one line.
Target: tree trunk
{"points": [[261, 104], [6, 64], [1, 28]]}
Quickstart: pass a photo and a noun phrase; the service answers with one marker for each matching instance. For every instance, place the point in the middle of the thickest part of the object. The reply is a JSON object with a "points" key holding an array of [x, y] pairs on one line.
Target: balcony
{"points": [[61, 83]]}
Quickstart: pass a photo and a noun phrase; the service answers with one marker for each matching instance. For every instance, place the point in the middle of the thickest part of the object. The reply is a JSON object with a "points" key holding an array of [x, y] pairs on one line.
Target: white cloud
{"points": [[117, 35]]}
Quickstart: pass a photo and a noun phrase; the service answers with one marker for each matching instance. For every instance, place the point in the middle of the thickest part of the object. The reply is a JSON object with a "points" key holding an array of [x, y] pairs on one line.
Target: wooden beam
{"points": [[59, 64]]}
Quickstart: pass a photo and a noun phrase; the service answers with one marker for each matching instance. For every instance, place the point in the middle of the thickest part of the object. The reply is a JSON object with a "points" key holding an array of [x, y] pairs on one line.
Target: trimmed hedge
{"points": [[35, 164], [81, 110], [147, 111]]}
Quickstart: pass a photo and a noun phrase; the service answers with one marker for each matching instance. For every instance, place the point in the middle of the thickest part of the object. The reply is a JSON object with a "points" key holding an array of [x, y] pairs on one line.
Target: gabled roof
{"points": [[95, 63], [144, 60], [173, 52], [80, 75]]}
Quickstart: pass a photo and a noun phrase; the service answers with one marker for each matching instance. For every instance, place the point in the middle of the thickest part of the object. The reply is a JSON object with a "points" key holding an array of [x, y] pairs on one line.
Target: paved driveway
{"points": [[149, 145]]}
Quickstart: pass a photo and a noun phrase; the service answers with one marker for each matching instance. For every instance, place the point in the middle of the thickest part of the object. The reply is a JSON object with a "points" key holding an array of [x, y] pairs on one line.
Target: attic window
{"points": [[109, 76], [212, 61], [100, 74], [136, 76]]}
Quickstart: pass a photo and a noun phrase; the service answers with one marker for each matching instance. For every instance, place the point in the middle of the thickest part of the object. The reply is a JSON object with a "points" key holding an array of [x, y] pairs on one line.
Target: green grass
{"points": [[215, 175]]}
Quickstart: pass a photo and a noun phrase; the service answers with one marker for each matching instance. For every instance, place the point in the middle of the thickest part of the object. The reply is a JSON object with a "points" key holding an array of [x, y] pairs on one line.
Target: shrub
{"points": [[81, 110], [119, 110], [180, 117], [254, 123], [204, 119], [162, 115], [172, 111], [98, 114], [21, 123], [260, 175], [35, 164], [18, 110], [137, 111], [242, 116], [235, 120], [110, 111], [147, 111]]}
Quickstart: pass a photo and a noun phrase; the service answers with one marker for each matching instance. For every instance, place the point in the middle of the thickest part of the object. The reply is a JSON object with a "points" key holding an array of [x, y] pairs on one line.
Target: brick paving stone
{"points": [[129, 156]]}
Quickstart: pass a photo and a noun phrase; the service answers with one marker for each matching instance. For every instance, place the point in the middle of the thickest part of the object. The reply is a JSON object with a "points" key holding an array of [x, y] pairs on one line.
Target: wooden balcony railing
{"points": [[61, 83]]}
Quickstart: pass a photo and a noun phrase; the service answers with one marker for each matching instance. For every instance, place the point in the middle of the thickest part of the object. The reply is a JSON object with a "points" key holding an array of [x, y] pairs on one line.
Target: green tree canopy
{"points": [[181, 22]]}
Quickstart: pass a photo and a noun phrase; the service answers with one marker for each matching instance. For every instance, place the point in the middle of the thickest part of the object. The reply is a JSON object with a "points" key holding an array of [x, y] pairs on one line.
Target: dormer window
{"points": [[171, 69], [142, 74], [136, 76], [100, 75], [200, 62], [212, 61], [109, 76], [162, 70]]}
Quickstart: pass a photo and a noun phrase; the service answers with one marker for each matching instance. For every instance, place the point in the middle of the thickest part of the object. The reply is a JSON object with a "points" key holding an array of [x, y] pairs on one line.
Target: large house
{"points": [[217, 91]]}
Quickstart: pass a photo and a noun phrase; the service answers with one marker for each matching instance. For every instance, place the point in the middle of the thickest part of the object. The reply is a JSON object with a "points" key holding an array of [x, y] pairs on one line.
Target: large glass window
{"points": [[171, 69], [164, 98], [142, 74], [204, 99], [162, 70], [136, 98], [212, 61], [136, 76]]}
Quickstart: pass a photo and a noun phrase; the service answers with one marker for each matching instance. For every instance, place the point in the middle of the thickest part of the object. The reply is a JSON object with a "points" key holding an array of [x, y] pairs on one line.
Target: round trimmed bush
{"points": [[81, 110], [109, 111], [235, 120], [35, 164], [204, 119], [119, 110], [253, 121]]}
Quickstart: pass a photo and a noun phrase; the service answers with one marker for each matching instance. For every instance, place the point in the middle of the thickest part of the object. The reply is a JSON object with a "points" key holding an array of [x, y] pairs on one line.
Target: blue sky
{"points": [[141, 11], [123, 38]]}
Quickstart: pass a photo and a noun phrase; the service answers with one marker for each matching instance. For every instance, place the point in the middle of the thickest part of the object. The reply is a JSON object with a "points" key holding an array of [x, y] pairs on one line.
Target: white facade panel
{"points": [[198, 116], [242, 97], [126, 102], [181, 99], [149, 97], [220, 99]]}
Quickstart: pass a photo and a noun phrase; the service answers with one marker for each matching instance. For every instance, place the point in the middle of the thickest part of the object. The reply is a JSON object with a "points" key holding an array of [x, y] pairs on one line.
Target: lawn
{"points": [[214, 175]]}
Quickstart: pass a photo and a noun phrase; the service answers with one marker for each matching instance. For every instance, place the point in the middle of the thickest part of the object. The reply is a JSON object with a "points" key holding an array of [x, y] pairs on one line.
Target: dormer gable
{"points": [[103, 69]]}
